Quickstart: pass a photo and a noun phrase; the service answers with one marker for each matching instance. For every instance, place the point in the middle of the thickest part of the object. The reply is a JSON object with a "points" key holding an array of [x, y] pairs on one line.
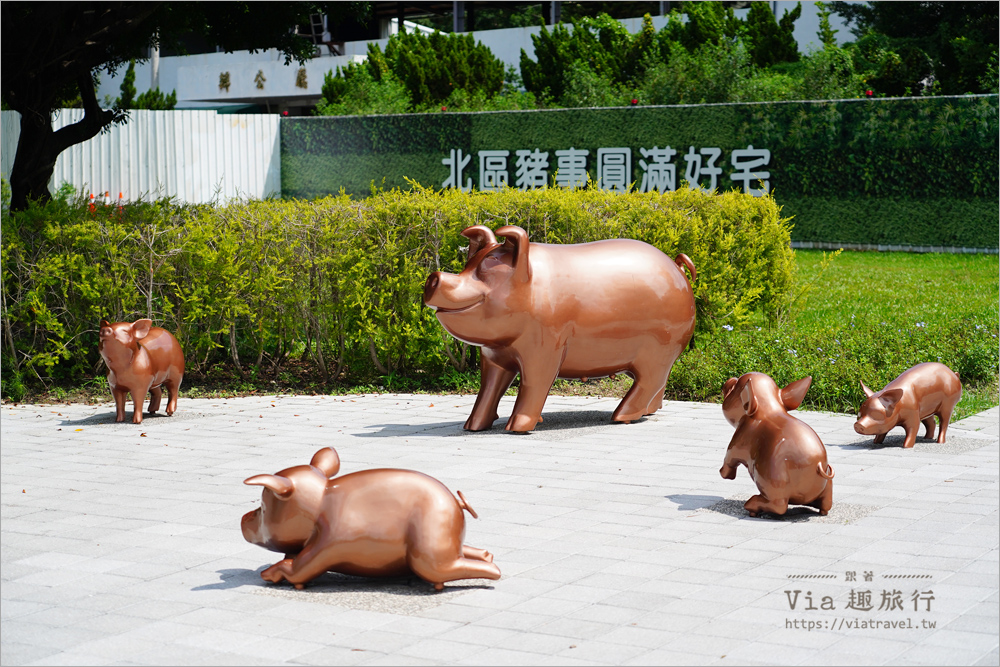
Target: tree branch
{"points": [[94, 120]]}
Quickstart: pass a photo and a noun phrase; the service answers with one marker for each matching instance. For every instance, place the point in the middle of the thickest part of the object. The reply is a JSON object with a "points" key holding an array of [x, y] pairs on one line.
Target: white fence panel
{"points": [[196, 156]]}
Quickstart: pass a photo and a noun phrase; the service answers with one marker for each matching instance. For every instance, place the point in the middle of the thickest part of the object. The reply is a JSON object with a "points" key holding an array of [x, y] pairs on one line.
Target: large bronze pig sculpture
{"points": [[583, 311], [911, 399], [784, 456], [371, 523], [141, 359]]}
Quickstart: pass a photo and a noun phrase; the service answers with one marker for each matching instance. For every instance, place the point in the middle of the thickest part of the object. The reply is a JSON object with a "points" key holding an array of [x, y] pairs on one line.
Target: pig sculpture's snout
{"points": [[250, 525], [861, 428], [447, 292], [431, 286]]}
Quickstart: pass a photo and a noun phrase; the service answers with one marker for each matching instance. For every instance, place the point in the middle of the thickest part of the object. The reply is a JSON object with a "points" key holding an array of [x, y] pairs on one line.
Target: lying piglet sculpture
{"points": [[784, 456], [911, 399], [141, 359], [578, 311], [373, 523]]}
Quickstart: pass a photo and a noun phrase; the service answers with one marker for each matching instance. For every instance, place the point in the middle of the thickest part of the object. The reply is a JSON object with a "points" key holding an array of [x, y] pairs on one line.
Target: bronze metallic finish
{"points": [[784, 456], [911, 399], [373, 523], [587, 310], [141, 359]]}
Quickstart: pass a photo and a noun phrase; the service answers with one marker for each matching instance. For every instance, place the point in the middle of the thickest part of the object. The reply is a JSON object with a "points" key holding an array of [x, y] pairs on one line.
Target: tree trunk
{"points": [[38, 146]]}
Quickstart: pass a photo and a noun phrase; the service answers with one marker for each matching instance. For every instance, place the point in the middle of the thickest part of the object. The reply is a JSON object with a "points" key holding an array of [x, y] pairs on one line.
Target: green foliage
{"points": [[154, 99], [354, 91], [950, 42], [418, 72], [127, 97], [151, 99], [433, 66], [772, 41], [713, 72], [335, 284], [827, 35]]}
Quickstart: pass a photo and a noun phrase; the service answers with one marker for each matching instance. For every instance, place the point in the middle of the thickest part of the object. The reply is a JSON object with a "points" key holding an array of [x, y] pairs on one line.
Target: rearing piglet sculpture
{"points": [[785, 457], [141, 359], [579, 311], [373, 523]]}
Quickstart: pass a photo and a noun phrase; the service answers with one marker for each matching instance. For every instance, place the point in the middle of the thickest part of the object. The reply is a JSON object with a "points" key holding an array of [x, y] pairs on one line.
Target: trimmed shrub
{"points": [[337, 282]]}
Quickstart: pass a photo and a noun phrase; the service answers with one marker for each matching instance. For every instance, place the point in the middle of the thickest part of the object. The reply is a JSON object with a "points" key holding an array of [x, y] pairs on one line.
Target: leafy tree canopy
{"points": [[949, 44]]}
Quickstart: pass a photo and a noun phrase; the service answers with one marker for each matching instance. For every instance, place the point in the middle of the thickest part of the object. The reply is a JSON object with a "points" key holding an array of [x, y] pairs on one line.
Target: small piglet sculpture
{"points": [[582, 311], [911, 399], [373, 523], [141, 359], [785, 457]]}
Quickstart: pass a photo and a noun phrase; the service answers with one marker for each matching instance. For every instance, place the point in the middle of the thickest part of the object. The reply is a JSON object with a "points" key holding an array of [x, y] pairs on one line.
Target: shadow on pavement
{"points": [[552, 422], [687, 502]]}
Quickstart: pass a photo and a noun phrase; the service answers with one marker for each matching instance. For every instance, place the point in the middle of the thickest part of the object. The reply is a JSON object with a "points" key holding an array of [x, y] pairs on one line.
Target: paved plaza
{"points": [[618, 544]]}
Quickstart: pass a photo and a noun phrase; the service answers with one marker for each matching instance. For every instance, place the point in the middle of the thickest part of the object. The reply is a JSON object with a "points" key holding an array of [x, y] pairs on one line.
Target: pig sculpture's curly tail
{"points": [[828, 473], [464, 504], [683, 260]]}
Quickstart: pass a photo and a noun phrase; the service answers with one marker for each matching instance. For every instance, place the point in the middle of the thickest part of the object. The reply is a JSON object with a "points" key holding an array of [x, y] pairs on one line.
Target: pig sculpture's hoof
{"points": [[439, 587], [521, 423]]}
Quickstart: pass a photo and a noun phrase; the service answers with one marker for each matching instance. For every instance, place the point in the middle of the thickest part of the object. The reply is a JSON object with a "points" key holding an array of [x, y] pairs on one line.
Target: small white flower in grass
{"points": [[727, 327], [921, 324]]}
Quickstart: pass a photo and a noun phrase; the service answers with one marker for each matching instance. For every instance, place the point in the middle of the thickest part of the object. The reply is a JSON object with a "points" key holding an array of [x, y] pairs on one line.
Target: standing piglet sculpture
{"points": [[141, 359], [785, 457], [911, 399], [373, 523], [582, 311]]}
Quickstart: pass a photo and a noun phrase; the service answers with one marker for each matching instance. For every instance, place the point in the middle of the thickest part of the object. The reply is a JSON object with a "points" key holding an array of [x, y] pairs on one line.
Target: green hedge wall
{"points": [[918, 171], [337, 281]]}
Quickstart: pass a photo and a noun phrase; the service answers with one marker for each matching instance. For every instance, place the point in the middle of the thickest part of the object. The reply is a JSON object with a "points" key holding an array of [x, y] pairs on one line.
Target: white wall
{"points": [[195, 156]]}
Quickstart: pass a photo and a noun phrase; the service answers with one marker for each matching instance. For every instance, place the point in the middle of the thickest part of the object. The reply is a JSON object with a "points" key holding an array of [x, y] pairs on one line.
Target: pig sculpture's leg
{"points": [[647, 391], [154, 399], [429, 568], [759, 504], [825, 500], [138, 397], [929, 423], [173, 386], [879, 438], [476, 554], [317, 556], [495, 380], [120, 396], [912, 427], [944, 415], [535, 385]]}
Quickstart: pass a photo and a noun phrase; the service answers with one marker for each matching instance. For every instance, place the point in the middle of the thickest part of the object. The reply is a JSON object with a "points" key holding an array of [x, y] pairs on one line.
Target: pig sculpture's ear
{"points": [[326, 460], [868, 392], [792, 395], [479, 237], [728, 387], [280, 486], [517, 238], [140, 328], [749, 400], [105, 323], [890, 397]]}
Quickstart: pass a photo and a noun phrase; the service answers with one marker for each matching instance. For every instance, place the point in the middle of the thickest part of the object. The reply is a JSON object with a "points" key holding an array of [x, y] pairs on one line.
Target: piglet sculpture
{"points": [[911, 399], [587, 310], [141, 359], [373, 523], [785, 457]]}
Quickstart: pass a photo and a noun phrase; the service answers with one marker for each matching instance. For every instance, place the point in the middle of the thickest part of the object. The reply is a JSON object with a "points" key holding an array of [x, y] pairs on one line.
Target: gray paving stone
{"points": [[123, 551]]}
